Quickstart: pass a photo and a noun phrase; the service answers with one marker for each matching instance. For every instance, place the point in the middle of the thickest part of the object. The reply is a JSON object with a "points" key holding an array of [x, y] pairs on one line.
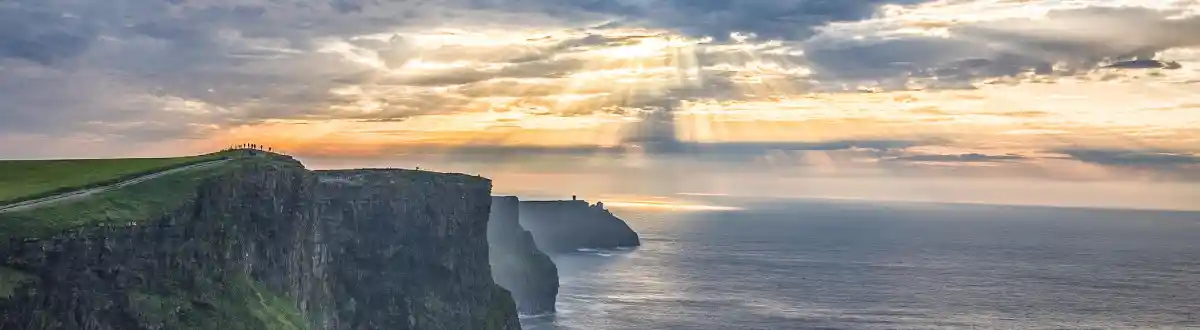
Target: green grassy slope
{"points": [[144, 201], [240, 304], [10, 280], [130, 204], [22, 180]]}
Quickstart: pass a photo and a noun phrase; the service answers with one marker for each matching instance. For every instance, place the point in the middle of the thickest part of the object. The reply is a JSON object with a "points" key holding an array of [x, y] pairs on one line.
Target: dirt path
{"points": [[35, 203]]}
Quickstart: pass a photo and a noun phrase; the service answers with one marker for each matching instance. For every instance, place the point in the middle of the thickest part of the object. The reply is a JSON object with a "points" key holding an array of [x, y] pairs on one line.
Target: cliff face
{"points": [[517, 264], [429, 271], [268, 245], [565, 226]]}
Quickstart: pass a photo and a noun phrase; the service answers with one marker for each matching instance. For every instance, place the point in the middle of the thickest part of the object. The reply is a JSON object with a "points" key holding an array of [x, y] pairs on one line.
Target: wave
{"points": [[523, 316]]}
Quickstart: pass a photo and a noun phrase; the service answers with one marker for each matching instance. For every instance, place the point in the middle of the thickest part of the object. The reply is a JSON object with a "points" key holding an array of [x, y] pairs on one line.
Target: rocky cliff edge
{"points": [[263, 243], [566, 226]]}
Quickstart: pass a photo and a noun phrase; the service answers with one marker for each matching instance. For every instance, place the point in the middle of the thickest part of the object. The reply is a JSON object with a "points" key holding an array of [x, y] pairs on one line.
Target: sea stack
{"points": [[567, 226]]}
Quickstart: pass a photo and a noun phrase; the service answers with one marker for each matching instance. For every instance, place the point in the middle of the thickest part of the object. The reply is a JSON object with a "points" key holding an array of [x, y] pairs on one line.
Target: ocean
{"points": [[857, 265]]}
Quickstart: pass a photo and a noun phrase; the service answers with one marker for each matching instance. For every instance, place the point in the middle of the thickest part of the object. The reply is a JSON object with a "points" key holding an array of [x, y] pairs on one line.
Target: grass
{"points": [[243, 304], [22, 180], [132, 204], [408, 176], [138, 203], [10, 280], [273, 310], [240, 303]]}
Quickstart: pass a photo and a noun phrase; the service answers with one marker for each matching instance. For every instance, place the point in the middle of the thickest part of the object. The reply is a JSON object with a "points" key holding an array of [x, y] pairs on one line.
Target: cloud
{"points": [[72, 62], [956, 44], [1153, 164], [1145, 64], [963, 158], [128, 70], [242, 55], [1121, 157], [711, 151], [722, 151], [751, 147], [37, 32], [768, 19]]}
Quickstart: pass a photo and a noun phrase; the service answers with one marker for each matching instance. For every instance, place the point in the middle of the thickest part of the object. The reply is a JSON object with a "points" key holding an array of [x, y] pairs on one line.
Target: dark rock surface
{"points": [[429, 270], [270, 245], [517, 263], [566, 226]]}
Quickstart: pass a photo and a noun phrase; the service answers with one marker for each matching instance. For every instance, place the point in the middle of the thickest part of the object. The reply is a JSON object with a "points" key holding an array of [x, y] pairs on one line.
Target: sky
{"points": [[1047, 102]]}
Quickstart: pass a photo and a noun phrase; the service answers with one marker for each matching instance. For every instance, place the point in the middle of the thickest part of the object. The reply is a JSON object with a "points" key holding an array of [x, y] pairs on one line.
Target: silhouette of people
{"points": [[249, 147]]}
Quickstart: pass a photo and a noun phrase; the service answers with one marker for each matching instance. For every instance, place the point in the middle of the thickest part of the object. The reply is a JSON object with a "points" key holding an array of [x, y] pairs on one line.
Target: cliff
{"points": [[429, 271], [517, 264], [566, 226], [261, 243]]}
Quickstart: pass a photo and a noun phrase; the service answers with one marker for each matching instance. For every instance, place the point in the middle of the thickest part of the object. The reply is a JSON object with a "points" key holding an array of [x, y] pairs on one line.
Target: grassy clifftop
{"points": [[135, 203], [255, 242], [197, 248], [22, 180]]}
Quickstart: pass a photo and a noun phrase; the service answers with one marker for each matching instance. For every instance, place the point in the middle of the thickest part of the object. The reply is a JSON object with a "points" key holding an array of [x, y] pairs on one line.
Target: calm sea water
{"points": [[837, 265]]}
